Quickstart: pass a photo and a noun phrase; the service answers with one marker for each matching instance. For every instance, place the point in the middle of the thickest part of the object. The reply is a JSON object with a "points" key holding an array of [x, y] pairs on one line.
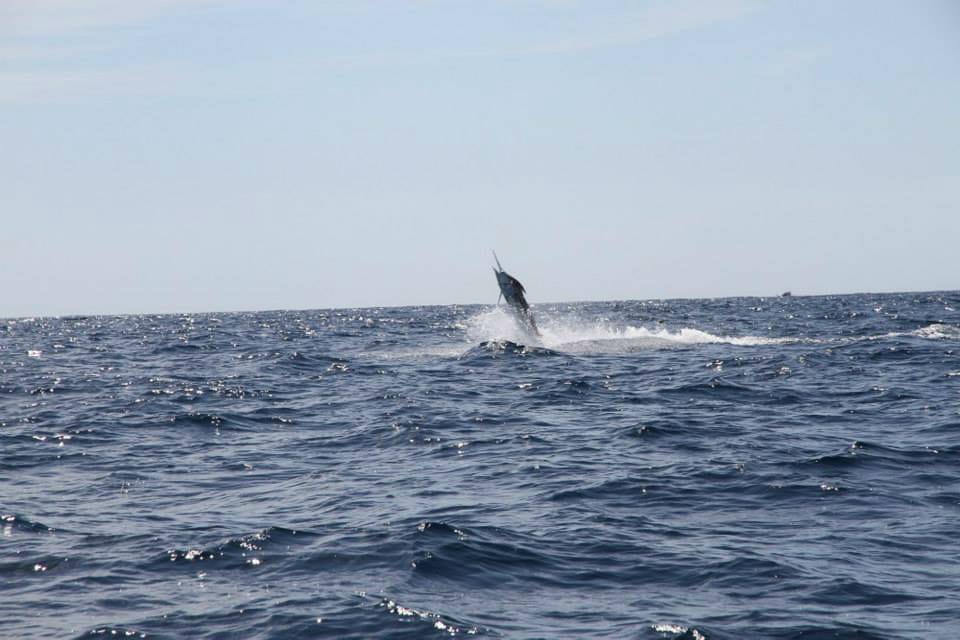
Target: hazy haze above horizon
{"points": [[205, 155]]}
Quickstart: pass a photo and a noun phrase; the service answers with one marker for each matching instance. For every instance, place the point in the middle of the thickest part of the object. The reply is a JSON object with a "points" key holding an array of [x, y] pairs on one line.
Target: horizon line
{"points": [[63, 316]]}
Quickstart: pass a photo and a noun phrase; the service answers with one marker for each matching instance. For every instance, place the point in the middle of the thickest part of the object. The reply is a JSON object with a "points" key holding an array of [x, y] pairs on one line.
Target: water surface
{"points": [[734, 468]]}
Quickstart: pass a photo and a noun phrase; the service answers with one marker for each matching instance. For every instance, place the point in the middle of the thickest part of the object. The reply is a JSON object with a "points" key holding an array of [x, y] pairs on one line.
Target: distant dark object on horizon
{"points": [[786, 294]]}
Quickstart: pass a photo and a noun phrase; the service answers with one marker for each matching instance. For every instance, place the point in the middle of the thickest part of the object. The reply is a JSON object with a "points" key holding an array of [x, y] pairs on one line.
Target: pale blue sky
{"points": [[192, 155]]}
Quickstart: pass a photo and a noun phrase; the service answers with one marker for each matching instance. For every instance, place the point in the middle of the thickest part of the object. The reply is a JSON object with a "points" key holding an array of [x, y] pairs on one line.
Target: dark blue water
{"points": [[735, 468]]}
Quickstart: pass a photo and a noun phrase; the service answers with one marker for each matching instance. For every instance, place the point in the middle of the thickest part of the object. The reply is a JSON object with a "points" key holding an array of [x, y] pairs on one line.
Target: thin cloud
{"points": [[52, 18], [793, 60], [46, 46], [47, 41], [655, 21]]}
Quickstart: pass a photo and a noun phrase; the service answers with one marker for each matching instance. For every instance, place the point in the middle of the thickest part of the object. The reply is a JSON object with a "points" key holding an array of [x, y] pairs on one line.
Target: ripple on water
{"points": [[731, 468]]}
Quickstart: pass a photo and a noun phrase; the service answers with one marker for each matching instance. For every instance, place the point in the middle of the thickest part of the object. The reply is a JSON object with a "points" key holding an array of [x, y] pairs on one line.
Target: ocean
{"points": [[679, 469]]}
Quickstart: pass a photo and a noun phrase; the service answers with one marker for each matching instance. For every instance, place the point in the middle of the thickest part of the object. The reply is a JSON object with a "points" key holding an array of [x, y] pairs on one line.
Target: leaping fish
{"points": [[513, 292]]}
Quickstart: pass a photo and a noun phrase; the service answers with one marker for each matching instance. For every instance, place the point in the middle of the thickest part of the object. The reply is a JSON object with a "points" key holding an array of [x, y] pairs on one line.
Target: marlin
{"points": [[513, 292]]}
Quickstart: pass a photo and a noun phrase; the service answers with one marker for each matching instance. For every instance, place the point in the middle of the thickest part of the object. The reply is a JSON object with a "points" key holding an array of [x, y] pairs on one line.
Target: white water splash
{"points": [[677, 629], [496, 325], [572, 334], [934, 331], [937, 332]]}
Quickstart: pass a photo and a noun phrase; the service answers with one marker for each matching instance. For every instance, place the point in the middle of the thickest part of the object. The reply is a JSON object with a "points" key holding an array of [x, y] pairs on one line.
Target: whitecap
{"points": [[571, 334]]}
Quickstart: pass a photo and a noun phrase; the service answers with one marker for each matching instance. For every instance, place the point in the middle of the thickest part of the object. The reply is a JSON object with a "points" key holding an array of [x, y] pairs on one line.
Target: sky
{"points": [[212, 155]]}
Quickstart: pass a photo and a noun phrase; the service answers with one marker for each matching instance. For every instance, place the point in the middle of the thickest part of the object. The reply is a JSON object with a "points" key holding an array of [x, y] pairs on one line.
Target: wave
{"points": [[677, 631], [11, 523], [109, 631], [240, 552], [479, 557], [500, 348], [426, 623]]}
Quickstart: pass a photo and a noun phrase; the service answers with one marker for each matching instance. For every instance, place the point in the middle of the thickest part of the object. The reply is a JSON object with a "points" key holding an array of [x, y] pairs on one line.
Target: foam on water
{"points": [[568, 332], [571, 333], [935, 331]]}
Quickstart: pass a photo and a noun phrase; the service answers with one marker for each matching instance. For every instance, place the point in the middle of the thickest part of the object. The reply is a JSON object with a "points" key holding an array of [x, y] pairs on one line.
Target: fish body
{"points": [[514, 294]]}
